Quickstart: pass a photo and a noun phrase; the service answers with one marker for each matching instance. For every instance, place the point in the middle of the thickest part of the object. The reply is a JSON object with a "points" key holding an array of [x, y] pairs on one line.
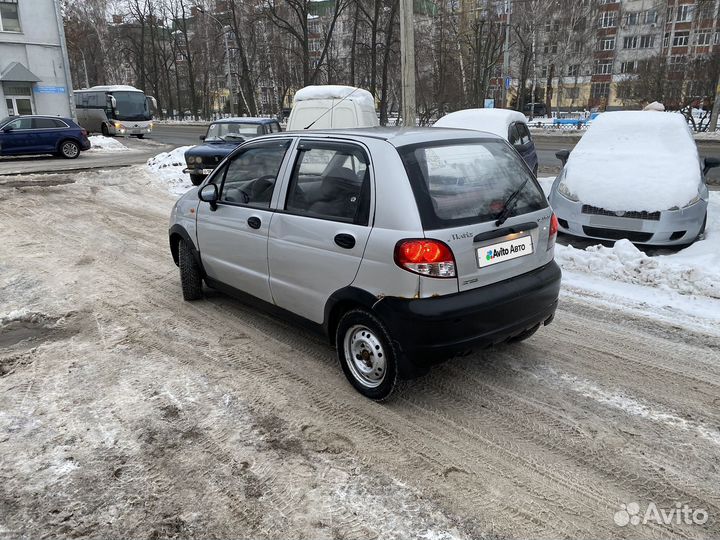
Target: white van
{"points": [[328, 106]]}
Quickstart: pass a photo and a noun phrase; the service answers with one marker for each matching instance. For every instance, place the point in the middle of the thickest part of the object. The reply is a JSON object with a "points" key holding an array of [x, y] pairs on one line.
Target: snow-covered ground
{"points": [[106, 144], [167, 167]]}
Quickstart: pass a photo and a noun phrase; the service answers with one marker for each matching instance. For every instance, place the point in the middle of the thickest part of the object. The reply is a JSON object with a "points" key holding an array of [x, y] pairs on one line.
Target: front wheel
{"points": [[190, 274], [367, 355], [197, 179], [105, 130], [69, 149]]}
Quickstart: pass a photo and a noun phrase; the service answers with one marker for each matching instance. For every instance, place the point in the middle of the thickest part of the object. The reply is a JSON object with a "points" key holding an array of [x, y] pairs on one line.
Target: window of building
{"points": [[608, 19], [651, 16], [666, 40], [603, 2], [632, 19], [603, 68], [9, 19], [600, 90], [704, 37], [647, 42], [685, 13], [681, 39], [574, 70], [630, 42], [676, 63], [607, 44], [629, 67]]}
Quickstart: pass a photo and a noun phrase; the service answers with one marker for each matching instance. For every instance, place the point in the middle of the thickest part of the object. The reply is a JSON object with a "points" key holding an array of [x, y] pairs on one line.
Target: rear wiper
{"points": [[509, 204]]}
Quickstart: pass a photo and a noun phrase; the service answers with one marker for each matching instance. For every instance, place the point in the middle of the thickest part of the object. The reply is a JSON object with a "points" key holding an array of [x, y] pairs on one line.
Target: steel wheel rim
{"points": [[365, 356], [70, 149]]}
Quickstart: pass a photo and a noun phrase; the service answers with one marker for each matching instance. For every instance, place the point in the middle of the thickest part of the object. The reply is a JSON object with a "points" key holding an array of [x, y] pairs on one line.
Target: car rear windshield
{"points": [[458, 183]]}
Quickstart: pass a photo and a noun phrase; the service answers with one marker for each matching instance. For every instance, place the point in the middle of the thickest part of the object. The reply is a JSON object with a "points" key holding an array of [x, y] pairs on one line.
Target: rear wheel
{"points": [[69, 149], [196, 179], [105, 130], [367, 355], [190, 274]]}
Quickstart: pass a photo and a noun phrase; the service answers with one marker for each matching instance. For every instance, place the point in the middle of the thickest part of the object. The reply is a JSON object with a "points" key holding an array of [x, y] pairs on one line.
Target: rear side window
{"points": [[21, 123], [46, 123], [468, 182], [330, 181]]}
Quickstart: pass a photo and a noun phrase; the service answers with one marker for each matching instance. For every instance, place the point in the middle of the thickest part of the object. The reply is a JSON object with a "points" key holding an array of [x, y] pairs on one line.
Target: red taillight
{"points": [[553, 231], [426, 257]]}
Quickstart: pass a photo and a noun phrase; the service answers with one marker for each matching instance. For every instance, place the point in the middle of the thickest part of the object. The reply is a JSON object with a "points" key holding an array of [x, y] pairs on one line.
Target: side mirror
{"points": [[710, 163], [563, 156], [7, 129], [209, 194], [202, 137]]}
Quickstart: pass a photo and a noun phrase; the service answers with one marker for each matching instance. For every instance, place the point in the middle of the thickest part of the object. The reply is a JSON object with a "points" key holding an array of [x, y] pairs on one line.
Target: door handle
{"points": [[345, 241], [254, 222]]}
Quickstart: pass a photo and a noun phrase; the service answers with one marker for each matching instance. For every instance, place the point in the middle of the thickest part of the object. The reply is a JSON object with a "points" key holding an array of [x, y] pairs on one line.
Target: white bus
{"points": [[115, 110]]}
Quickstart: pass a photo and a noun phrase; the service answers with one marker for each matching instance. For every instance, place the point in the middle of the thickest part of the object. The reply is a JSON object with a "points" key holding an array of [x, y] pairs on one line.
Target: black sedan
{"points": [[222, 137]]}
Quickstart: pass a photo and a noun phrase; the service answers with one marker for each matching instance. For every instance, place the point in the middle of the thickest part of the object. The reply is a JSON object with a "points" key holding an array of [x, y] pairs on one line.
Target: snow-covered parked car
{"points": [[634, 175], [510, 125]]}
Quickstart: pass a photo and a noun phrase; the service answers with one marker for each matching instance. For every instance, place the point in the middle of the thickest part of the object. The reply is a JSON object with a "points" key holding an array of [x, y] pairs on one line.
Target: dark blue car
{"points": [[26, 135], [223, 137]]}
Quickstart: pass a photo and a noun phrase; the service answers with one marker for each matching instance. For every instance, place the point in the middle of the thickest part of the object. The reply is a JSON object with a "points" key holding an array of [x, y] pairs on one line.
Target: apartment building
{"points": [[636, 50], [34, 70]]}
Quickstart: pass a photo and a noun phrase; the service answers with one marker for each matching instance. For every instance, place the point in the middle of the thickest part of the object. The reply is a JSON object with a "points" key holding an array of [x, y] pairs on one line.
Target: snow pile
{"points": [[167, 167], [692, 271], [328, 91], [495, 121], [635, 161], [106, 144]]}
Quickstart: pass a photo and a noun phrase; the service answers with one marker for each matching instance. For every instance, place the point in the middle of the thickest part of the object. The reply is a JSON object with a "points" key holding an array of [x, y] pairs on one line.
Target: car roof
{"points": [[18, 116], [244, 120], [397, 136]]}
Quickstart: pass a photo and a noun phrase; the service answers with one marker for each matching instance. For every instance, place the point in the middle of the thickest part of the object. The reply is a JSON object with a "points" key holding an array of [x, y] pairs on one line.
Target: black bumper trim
{"points": [[431, 329]]}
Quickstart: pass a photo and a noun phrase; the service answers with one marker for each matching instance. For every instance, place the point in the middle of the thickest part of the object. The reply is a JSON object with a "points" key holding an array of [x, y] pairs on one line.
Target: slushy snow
{"points": [[167, 167], [329, 91], [635, 161], [106, 144], [496, 121]]}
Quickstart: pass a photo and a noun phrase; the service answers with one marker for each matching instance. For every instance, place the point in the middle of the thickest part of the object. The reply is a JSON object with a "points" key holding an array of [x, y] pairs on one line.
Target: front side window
{"points": [[330, 181], [249, 178], [467, 182], [9, 19]]}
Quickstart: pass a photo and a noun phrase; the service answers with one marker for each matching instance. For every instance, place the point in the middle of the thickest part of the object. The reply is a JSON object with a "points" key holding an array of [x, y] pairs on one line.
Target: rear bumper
{"points": [[431, 329]]}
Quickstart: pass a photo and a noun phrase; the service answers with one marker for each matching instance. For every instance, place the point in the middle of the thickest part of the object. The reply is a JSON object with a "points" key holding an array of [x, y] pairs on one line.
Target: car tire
{"points": [[374, 370], [196, 179], [526, 334], [104, 130], [69, 149], [190, 273]]}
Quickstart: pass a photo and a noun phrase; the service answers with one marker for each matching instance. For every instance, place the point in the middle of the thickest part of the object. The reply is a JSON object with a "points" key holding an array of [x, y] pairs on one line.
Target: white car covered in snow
{"points": [[510, 125], [634, 175]]}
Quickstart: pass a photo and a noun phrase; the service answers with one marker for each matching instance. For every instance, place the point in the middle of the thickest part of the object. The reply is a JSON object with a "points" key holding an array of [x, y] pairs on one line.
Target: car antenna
{"points": [[331, 108]]}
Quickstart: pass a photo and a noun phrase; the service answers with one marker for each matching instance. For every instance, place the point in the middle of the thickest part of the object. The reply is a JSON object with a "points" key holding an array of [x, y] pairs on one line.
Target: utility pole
{"points": [[407, 62], [506, 54], [716, 110]]}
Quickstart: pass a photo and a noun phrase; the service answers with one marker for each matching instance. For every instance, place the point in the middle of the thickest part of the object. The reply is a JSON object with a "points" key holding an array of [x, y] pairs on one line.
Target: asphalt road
{"points": [[178, 134]]}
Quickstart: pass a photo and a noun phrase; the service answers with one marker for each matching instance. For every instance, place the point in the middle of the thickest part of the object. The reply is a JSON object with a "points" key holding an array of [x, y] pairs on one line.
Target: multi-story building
{"points": [[635, 50], [34, 69]]}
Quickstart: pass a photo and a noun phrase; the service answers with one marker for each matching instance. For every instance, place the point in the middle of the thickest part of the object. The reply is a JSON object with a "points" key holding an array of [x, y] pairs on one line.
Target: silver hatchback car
{"points": [[404, 247]]}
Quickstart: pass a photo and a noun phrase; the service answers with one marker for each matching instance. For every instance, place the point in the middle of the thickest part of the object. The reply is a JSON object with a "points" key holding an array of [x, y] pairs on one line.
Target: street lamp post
{"points": [[227, 56], [407, 62]]}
